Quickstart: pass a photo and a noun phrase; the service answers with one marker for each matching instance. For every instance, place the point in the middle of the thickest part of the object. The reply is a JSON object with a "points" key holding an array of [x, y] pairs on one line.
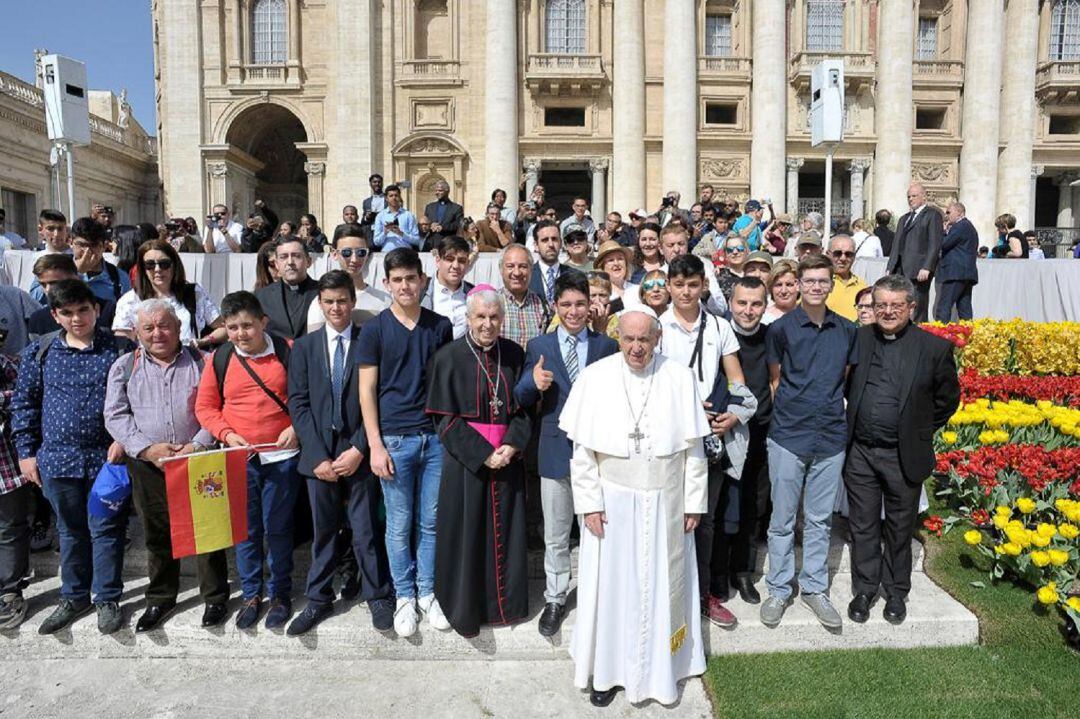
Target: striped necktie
{"points": [[571, 358]]}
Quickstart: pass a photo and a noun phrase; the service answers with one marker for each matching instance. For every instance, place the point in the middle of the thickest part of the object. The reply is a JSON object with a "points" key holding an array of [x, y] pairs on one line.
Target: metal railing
{"points": [[1058, 242]]}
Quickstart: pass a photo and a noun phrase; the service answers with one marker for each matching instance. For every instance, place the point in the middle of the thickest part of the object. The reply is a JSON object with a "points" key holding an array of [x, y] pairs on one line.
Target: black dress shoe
{"points": [[859, 609], [602, 699], [745, 587], [313, 614], [551, 619], [895, 610], [153, 617], [280, 611], [214, 614]]}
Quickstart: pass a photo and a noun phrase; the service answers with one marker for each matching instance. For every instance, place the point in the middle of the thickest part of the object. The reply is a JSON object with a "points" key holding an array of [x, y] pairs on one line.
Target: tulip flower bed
{"points": [[1008, 462]]}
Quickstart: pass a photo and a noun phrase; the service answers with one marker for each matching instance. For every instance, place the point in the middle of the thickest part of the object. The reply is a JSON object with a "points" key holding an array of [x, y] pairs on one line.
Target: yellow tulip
{"points": [[1048, 594], [1069, 531], [1046, 530], [973, 537], [1011, 548], [1074, 603], [1058, 557], [1000, 521], [948, 437], [1039, 540], [1003, 510], [1040, 558], [1026, 505]]}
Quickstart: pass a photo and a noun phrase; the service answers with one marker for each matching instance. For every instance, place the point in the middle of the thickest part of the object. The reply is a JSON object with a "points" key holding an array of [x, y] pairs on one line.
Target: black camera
{"points": [[667, 202], [215, 217]]}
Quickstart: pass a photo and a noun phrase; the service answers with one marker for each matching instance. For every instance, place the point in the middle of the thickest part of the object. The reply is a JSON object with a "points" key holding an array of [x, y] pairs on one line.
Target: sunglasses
{"points": [[157, 265], [648, 285], [736, 248], [597, 274], [348, 252], [842, 253]]}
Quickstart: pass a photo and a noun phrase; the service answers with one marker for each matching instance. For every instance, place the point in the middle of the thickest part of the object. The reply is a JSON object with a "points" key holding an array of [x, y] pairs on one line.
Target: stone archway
{"points": [[424, 159], [267, 135]]}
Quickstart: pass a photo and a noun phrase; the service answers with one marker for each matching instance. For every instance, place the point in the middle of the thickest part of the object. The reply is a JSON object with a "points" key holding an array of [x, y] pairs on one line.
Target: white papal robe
{"points": [[638, 619]]}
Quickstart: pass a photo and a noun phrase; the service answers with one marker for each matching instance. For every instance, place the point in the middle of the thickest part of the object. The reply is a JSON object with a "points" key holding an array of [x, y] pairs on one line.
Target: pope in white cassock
{"points": [[639, 477]]}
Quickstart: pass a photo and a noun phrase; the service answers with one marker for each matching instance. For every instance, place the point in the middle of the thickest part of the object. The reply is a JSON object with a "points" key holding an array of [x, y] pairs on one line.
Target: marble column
{"points": [[180, 111], [350, 119], [981, 118], [500, 98], [293, 62], [768, 101], [1018, 110], [793, 165], [680, 98], [316, 172], [857, 168], [1036, 171], [532, 175], [1066, 214], [597, 168], [628, 101], [894, 112]]}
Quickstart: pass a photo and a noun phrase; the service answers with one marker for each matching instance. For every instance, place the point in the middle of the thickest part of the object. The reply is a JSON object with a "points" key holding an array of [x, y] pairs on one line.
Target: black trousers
{"points": [[736, 554], [871, 475], [922, 297], [953, 293], [16, 509], [360, 494], [709, 529], [152, 503]]}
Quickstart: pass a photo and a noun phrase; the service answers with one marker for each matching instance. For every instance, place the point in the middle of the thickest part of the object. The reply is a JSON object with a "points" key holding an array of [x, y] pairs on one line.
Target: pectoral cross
{"points": [[637, 436], [495, 403]]}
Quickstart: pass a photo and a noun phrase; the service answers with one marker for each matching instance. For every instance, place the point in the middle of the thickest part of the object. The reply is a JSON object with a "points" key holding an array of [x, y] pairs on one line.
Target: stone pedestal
{"points": [[894, 113], [768, 103], [981, 119], [793, 164], [500, 97], [532, 176], [597, 170], [680, 97], [1018, 110], [628, 101]]}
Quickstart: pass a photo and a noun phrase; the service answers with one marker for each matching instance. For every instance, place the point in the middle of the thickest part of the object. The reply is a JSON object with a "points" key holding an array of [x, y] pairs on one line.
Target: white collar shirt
{"points": [[678, 343], [450, 304]]}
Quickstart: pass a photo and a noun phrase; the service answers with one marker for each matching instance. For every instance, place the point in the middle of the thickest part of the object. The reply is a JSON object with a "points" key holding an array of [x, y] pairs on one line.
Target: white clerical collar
{"points": [[745, 333]]}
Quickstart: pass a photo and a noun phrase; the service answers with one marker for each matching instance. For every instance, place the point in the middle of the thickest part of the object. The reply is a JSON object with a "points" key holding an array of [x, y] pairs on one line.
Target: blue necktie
{"points": [[337, 379], [572, 367], [550, 289]]}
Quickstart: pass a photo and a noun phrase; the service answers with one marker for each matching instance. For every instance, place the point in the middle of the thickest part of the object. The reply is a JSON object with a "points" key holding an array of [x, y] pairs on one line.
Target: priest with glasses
{"points": [[480, 555]]}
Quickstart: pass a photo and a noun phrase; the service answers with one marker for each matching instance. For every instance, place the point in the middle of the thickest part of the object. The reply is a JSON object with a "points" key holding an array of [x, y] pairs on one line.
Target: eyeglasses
{"points": [[658, 283], [157, 265], [597, 274], [895, 307], [842, 253], [735, 248], [348, 252], [811, 282], [864, 306]]}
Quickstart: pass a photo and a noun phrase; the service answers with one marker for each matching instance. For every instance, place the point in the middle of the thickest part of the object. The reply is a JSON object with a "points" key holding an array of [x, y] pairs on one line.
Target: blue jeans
{"points": [[816, 480], [412, 497], [272, 490], [91, 549]]}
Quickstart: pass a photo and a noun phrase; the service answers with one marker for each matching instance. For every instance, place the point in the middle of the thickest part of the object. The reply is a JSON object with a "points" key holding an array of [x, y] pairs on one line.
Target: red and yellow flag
{"points": [[207, 502]]}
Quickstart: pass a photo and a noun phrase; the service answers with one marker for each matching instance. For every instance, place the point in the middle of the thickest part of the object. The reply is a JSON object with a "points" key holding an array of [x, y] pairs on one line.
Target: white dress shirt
{"points": [[450, 304]]}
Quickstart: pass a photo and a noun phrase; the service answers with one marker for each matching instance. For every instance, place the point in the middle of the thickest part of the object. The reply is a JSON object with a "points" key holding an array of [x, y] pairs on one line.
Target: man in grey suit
{"points": [[917, 246], [444, 213]]}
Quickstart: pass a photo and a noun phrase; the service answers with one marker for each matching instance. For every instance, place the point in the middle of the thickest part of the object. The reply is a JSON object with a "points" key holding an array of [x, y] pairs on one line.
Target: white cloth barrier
{"points": [[1037, 290]]}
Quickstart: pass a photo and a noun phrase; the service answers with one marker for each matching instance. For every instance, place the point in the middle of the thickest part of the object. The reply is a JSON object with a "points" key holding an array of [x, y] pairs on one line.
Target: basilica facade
{"points": [[298, 101]]}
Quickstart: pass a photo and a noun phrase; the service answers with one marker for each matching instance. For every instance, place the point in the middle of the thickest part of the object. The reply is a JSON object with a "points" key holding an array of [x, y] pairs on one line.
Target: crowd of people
{"points": [[678, 386]]}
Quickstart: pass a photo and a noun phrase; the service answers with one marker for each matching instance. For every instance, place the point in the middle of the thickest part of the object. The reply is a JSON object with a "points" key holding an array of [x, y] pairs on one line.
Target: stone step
{"points": [[934, 619]]}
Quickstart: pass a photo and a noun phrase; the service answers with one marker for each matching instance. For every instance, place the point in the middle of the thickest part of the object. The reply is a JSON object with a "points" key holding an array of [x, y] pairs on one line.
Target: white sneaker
{"points": [[405, 617], [429, 605]]}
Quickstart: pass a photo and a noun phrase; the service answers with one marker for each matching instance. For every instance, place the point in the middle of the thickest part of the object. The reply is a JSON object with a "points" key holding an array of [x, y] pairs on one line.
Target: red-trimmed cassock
{"points": [[480, 555]]}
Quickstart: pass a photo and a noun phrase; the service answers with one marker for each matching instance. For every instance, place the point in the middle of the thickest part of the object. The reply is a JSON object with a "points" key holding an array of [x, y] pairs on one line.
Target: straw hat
{"points": [[609, 246]]}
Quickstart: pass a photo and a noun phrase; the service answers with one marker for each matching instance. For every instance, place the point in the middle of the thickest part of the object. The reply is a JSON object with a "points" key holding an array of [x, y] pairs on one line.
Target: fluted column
{"points": [[857, 168], [1066, 214], [1018, 109], [680, 97], [893, 112], [628, 98], [597, 168], [981, 118], [500, 97], [793, 164], [768, 100]]}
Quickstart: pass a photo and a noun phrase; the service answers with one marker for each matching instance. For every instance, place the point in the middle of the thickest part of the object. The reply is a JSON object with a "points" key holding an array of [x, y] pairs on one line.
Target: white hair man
{"points": [[639, 478], [484, 432]]}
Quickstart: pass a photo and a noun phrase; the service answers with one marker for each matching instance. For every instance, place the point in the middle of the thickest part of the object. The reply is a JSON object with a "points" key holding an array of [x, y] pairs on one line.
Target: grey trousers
{"points": [[557, 502]]}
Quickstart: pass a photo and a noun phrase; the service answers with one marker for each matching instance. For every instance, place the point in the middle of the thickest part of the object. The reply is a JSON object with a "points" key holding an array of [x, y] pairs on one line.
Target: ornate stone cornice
{"points": [[315, 168], [217, 169], [794, 163], [599, 164]]}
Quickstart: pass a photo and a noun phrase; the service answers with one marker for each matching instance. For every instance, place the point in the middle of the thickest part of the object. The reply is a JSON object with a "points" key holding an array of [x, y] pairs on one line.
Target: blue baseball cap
{"points": [[753, 205], [111, 490]]}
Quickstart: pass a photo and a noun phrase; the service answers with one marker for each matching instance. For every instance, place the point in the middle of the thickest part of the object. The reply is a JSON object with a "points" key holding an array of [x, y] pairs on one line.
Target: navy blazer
{"points": [[959, 250], [536, 282], [555, 447], [311, 407]]}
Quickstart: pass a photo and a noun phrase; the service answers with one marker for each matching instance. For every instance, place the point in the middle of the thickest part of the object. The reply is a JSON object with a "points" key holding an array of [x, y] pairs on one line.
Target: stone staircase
{"points": [[934, 619]]}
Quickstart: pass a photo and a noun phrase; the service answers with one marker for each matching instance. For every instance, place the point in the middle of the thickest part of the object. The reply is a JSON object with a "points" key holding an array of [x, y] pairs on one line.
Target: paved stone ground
{"points": [[313, 687]]}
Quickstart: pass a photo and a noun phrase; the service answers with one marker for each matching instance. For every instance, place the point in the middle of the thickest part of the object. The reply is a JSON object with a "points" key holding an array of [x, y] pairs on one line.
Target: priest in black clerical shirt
{"points": [[481, 575], [286, 300], [903, 389]]}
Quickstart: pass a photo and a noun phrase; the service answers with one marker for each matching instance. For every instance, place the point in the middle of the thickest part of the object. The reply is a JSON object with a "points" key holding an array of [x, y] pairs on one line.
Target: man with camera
{"points": [[395, 226], [179, 238], [222, 234], [669, 210]]}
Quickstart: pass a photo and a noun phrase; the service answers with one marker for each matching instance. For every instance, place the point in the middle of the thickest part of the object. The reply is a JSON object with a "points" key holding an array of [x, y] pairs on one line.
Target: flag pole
{"points": [[248, 447]]}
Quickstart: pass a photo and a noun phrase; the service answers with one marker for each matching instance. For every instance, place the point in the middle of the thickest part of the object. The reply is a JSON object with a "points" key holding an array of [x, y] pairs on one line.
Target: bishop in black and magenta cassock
{"points": [[480, 554]]}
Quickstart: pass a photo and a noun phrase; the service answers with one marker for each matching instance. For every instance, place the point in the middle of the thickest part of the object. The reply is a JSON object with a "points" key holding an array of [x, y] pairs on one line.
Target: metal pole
{"points": [[826, 231], [70, 181]]}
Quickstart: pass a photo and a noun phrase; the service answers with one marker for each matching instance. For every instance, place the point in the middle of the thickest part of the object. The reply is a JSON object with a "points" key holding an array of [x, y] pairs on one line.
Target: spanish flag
{"points": [[207, 495]]}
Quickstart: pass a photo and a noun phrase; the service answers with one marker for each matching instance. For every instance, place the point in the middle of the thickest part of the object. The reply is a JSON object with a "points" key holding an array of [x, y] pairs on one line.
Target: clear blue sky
{"points": [[113, 37]]}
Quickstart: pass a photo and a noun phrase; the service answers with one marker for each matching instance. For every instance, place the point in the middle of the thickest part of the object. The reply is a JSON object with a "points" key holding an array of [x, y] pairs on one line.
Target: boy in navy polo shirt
{"points": [[809, 351], [406, 454]]}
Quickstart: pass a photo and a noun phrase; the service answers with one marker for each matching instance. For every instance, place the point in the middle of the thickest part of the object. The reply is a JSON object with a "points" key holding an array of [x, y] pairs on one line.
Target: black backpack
{"points": [[224, 353]]}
